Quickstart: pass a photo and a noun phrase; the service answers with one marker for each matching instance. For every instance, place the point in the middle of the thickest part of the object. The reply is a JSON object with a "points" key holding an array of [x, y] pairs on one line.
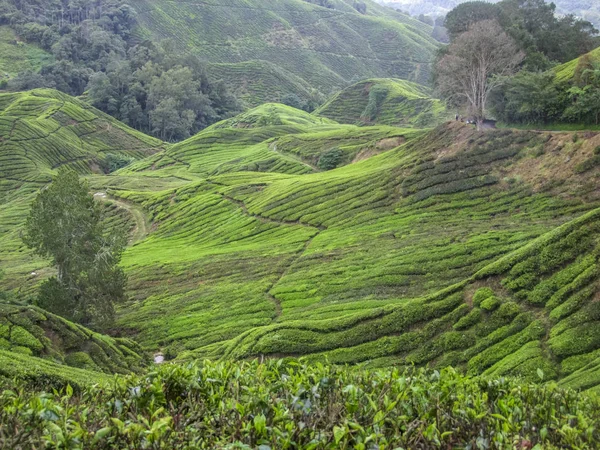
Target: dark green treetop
{"points": [[65, 224]]}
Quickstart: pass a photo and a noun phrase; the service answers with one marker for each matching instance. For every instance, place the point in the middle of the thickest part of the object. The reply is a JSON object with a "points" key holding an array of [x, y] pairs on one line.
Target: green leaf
{"points": [[101, 434], [338, 434]]}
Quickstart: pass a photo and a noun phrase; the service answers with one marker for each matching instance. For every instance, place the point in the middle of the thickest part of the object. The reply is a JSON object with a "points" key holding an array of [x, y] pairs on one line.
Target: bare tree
{"points": [[475, 64]]}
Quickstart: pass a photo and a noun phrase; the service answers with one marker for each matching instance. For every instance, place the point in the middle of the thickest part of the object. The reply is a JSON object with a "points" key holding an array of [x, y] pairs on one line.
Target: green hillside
{"points": [[44, 129], [44, 348], [294, 43], [441, 247], [384, 101], [566, 72], [17, 56]]}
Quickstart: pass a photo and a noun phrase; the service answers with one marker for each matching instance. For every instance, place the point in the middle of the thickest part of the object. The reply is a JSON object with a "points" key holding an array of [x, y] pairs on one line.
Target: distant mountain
{"points": [[586, 9], [296, 45]]}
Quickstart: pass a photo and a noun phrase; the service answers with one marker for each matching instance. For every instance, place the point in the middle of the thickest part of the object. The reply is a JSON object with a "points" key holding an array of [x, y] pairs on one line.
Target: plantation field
{"points": [[385, 101], [566, 72], [16, 56], [264, 50], [286, 404], [42, 347], [281, 233]]}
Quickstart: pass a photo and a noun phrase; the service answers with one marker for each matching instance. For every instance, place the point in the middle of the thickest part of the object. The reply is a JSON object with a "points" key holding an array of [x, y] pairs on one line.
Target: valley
{"points": [[298, 224]]}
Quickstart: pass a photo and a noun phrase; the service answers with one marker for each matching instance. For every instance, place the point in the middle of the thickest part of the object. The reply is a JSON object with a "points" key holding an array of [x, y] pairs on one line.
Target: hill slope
{"points": [[44, 348], [16, 56], [451, 246], [396, 259], [384, 101], [44, 129], [324, 47], [566, 72]]}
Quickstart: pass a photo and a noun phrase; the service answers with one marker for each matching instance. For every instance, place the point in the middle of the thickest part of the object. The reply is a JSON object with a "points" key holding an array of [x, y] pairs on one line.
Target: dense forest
{"points": [[145, 85]]}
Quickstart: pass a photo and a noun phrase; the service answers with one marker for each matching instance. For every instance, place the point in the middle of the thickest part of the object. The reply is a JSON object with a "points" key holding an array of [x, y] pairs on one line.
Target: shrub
{"points": [[490, 303], [331, 159], [469, 320], [113, 162], [81, 360], [289, 404], [481, 294], [19, 336]]}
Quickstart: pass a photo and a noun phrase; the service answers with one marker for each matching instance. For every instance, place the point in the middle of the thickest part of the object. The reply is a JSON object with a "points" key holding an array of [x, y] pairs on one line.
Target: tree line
{"points": [[151, 87], [501, 58]]}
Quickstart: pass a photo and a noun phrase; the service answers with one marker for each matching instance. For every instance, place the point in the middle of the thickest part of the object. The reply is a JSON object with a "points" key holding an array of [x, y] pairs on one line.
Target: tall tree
{"points": [[65, 224], [475, 64], [465, 15]]}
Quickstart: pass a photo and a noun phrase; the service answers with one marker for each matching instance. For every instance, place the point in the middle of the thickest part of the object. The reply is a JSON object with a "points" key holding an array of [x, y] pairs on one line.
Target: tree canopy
{"points": [[153, 88], [533, 24], [65, 224], [475, 64]]}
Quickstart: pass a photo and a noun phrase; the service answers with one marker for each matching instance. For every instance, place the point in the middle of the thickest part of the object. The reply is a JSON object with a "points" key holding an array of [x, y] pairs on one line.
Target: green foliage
{"points": [[384, 101], [377, 95], [289, 404], [482, 294], [461, 18], [544, 35], [148, 87], [292, 46], [19, 336], [490, 303], [113, 162], [34, 332], [331, 159], [65, 224]]}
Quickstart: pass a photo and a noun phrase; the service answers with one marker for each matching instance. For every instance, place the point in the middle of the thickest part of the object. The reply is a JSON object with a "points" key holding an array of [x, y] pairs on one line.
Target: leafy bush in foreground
{"points": [[287, 404]]}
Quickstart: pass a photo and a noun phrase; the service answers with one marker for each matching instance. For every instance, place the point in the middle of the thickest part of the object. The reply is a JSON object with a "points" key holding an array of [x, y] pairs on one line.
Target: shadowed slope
{"points": [[324, 47]]}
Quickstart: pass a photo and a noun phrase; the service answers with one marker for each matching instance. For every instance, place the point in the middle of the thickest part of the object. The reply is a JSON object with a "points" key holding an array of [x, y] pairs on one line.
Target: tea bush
{"points": [[285, 404]]}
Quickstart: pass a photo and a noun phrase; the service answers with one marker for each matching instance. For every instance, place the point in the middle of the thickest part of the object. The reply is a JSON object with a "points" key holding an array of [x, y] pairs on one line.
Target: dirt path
{"points": [[142, 224]]}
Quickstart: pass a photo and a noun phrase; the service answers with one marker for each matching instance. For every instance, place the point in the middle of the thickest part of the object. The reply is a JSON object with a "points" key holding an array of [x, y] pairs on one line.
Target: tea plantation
{"points": [[287, 404], [385, 101], [282, 234], [264, 50]]}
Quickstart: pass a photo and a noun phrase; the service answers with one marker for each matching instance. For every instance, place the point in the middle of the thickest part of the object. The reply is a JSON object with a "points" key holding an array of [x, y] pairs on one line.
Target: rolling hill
{"points": [[566, 72], [265, 50], [385, 101], [17, 56], [42, 347], [434, 247]]}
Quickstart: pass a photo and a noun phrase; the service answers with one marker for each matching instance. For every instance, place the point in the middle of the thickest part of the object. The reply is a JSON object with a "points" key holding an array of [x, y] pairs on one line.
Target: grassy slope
{"points": [[32, 332], [41, 131], [253, 251], [565, 72], [17, 57], [45, 129], [326, 48], [384, 101], [353, 263]]}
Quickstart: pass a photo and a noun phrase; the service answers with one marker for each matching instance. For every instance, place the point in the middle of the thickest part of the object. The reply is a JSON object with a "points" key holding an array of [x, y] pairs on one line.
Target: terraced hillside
{"points": [[268, 49], [448, 246], [42, 347], [385, 101], [41, 131], [44, 129], [566, 72]]}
